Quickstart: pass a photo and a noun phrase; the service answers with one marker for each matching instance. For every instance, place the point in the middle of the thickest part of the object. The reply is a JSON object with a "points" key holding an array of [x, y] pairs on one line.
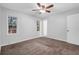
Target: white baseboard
{"points": [[72, 42], [25, 39], [56, 38], [65, 40]]}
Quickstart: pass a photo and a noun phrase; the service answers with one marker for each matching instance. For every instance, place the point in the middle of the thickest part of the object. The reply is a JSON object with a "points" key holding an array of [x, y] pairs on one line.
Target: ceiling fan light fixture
{"points": [[42, 11], [43, 7]]}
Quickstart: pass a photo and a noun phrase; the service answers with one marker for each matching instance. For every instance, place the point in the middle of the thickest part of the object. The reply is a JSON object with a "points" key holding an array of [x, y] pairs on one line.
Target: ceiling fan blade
{"points": [[48, 11], [35, 9], [49, 6], [39, 4], [43, 6]]}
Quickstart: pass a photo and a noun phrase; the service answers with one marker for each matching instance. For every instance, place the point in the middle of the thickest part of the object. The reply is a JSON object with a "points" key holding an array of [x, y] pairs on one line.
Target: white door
{"points": [[73, 29]]}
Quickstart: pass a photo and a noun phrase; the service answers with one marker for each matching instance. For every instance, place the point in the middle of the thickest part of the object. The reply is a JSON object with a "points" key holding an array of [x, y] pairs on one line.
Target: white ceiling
{"points": [[27, 8]]}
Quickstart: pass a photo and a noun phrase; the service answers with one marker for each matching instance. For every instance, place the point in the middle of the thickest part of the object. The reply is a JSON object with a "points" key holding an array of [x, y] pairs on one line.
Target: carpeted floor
{"points": [[41, 46]]}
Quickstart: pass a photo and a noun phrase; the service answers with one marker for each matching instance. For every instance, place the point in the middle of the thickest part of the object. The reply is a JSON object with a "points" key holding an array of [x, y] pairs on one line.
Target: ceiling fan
{"points": [[42, 8]]}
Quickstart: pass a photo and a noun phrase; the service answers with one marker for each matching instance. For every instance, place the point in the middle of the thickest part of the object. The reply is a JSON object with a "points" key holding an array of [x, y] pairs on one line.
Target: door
{"points": [[73, 29]]}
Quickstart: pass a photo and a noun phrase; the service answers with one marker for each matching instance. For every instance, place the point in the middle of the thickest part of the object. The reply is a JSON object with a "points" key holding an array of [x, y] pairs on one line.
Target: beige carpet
{"points": [[40, 46]]}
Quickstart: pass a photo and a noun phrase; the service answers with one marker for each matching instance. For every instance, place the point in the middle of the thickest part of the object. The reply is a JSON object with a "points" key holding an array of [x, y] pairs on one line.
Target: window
{"points": [[12, 26]]}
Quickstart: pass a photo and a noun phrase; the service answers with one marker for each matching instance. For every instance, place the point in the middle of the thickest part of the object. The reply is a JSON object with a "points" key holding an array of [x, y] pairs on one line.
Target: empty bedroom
{"points": [[39, 28]]}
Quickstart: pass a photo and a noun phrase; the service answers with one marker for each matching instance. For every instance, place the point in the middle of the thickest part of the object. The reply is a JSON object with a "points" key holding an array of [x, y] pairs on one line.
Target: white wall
{"points": [[26, 27], [44, 27], [57, 27], [0, 26], [57, 24]]}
